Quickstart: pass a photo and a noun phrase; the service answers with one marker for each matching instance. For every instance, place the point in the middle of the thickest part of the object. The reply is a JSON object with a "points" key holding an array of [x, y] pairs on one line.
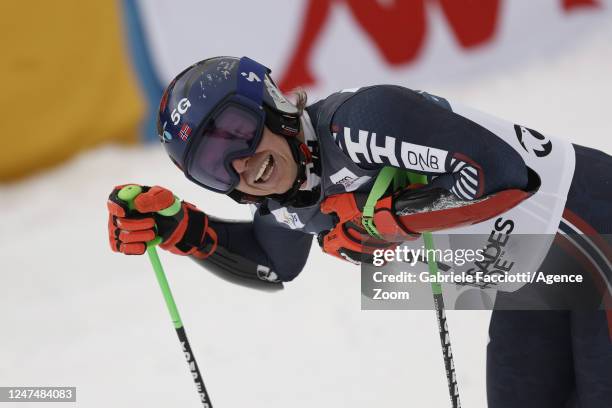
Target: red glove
{"points": [[184, 231], [349, 240], [403, 216]]}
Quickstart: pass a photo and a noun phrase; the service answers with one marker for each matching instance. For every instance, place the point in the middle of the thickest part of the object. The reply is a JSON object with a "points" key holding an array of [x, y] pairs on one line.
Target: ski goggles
{"points": [[232, 133]]}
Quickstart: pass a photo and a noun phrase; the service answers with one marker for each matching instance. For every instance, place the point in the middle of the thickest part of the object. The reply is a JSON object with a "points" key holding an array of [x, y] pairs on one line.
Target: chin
{"points": [[280, 191]]}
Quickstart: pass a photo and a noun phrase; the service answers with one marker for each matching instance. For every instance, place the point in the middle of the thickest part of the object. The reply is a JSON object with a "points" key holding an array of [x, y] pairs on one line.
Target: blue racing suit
{"points": [[562, 356]]}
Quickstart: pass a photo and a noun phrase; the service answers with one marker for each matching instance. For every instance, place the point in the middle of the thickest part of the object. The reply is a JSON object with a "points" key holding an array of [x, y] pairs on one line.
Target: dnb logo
{"points": [[533, 141]]}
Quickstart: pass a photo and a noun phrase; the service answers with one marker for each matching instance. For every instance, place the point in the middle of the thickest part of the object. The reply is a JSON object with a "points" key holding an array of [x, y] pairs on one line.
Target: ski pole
{"points": [[447, 353], [128, 194]]}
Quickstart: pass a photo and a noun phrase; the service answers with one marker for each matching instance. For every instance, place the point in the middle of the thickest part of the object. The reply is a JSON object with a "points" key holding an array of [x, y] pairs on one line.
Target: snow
{"points": [[75, 314]]}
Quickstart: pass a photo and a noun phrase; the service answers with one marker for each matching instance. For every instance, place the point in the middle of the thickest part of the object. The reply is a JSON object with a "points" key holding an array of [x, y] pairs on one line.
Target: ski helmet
{"points": [[214, 112]]}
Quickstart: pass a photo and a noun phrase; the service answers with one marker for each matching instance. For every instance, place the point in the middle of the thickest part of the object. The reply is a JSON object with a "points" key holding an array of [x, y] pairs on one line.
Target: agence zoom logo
{"points": [[533, 141]]}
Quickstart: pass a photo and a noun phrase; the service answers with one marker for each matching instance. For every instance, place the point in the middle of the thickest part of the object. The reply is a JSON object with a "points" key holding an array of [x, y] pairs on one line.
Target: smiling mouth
{"points": [[265, 170]]}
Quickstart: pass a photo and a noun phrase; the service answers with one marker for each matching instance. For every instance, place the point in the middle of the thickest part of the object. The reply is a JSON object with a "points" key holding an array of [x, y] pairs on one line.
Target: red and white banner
{"points": [[325, 45]]}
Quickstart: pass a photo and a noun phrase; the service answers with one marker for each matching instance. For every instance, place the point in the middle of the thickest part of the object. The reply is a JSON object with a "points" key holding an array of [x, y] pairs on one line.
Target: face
{"points": [[270, 170]]}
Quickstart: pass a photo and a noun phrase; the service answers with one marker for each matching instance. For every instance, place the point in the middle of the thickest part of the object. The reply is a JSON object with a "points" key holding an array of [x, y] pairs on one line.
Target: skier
{"points": [[309, 169]]}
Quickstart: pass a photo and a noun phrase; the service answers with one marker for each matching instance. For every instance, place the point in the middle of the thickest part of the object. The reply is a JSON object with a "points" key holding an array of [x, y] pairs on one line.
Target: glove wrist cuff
{"points": [[192, 236]]}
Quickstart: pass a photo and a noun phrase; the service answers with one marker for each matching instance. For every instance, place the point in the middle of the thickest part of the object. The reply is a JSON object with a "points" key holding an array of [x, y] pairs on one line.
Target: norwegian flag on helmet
{"points": [[184, 133]]}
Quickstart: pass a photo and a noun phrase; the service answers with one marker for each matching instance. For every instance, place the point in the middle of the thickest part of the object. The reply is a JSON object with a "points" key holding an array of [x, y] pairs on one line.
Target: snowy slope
{"points": [[73, 313]]}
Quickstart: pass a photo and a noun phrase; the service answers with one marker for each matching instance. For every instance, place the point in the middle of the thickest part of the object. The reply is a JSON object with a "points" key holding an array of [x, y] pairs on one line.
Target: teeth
{"points": [[262, 169], [268, 171]]}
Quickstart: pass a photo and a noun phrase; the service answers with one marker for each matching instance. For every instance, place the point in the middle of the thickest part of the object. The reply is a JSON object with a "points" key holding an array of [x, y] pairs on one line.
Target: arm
{"points": [[391, 125], [256, 253]]}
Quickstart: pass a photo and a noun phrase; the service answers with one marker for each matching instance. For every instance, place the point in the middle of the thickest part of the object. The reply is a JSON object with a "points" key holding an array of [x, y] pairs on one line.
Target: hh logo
{"points": [[533, 141], [398, 29], [292, 220]]}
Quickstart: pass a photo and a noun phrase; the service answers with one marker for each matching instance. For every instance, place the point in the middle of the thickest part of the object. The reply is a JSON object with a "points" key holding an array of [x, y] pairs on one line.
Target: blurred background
{"points": [[81, 83]]}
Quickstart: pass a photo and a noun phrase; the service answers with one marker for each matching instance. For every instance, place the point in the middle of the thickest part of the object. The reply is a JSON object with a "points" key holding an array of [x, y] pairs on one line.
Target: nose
{"points": [[240, 164]]}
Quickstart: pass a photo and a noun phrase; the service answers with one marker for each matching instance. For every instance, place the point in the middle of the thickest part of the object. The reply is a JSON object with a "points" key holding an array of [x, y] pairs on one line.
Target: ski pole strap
{"points": [[428, 240], [416, 178], [378, 190], [400, 179]]}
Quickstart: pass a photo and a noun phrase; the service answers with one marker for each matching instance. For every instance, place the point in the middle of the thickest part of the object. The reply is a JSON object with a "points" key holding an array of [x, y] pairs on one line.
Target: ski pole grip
{"points": [[129, 194]]}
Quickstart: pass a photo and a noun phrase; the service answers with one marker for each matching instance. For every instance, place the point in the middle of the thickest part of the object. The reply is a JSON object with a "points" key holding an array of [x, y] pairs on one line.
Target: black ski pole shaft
{"points": [[447, 352]]}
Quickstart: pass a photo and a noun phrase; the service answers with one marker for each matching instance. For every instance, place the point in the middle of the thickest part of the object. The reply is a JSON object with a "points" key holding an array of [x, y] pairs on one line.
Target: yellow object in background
{"points": [[67, 82]]}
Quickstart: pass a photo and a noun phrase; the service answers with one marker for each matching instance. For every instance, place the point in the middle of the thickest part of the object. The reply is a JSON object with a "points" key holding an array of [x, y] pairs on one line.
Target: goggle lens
{"points": [[232, 134]]}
